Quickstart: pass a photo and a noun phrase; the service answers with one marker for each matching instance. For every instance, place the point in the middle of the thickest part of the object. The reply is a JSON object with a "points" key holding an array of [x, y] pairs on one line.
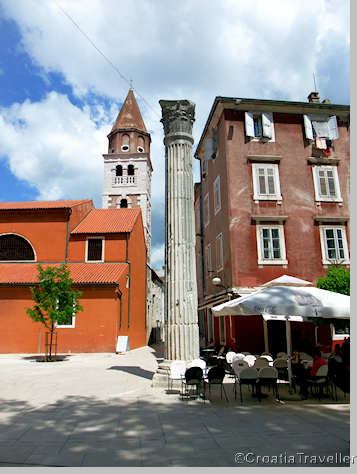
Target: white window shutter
{"points": [[333, 128], [249, 124], [308, 128], [267, 121]]}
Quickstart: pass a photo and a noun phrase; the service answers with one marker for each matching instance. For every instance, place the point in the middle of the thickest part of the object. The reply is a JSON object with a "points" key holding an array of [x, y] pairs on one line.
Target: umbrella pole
{"points": [[288, 351]]}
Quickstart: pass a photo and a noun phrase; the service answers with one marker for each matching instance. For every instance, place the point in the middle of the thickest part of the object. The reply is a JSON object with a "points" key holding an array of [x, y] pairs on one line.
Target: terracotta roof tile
{"points": [[81, 273], [129, 115], [41, 204], [108, 221]]}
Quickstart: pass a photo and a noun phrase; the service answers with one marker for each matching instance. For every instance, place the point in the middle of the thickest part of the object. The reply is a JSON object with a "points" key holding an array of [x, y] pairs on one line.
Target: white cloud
{"points": [[195, 48], [172, 50], [55, 147], [157, 256]]}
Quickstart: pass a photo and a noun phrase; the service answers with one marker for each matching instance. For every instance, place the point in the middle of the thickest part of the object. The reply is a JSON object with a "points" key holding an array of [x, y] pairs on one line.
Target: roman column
{"points": [[181, 317]]}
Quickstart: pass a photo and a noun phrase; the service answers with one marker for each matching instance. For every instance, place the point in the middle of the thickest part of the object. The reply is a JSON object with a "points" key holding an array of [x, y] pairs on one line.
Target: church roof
{"points": [[9, 206], [130, 115], [81, 273], [108, 221]]}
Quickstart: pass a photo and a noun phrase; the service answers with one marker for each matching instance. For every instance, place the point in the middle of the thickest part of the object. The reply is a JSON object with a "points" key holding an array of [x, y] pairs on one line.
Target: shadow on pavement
{"points": [[161, 430], [147, 374], [41, 358]]}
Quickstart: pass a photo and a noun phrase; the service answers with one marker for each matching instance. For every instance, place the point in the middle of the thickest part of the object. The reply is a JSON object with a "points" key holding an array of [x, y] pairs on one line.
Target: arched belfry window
{"points": [[141, 144], [125, 146], [15, 248], [123, 203], [119, 170], [131, 170]]}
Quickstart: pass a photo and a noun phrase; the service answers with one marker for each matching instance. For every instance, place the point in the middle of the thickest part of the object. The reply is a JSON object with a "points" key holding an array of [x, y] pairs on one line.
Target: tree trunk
{"points": [[51, 338]]}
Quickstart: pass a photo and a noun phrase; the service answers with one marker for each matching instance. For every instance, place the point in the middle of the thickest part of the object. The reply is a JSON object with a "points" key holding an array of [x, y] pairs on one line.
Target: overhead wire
{"points": [[115, 68]]}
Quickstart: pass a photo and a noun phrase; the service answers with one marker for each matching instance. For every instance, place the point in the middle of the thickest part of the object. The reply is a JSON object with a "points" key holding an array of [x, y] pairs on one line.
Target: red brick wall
{"points": [[302, 237]]}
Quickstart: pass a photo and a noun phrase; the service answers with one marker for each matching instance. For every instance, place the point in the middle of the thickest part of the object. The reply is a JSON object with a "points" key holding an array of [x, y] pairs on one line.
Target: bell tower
{"points": [[127, 165]]}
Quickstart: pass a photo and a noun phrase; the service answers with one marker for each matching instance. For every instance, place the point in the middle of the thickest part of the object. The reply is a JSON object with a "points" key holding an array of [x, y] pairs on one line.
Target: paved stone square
{"points": [[100, 410]]}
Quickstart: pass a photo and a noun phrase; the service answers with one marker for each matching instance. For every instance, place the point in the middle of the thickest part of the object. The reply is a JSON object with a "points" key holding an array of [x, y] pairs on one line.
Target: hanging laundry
{"points": [[320, 143], [326, 152], [328, 143]]}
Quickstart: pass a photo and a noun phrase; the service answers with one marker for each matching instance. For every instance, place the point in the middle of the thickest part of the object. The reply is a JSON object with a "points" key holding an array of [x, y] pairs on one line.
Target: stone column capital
{"points": [[177, 118]]}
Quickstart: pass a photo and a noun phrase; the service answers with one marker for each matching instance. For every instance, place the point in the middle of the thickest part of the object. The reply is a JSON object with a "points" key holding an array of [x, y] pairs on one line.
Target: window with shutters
{"points": [[259, 126], [266, 184], [217, 194], [95, 249], [326, 183], [206, 210], [334, 245], [271, 245], [14, 248], [317, 126], [219, 252]]}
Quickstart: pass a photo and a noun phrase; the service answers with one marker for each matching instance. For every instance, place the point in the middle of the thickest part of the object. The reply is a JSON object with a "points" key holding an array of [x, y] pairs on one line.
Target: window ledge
{"points": [[262, 139], [337, 200], [272, 262], [267, 198], [330, 220], [67, 326], [334, 261], [264, 158], [269, 218], [323, 161]]}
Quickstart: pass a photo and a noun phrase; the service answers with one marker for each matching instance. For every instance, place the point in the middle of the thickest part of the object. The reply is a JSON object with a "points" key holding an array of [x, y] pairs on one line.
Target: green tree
{"points": [[54, 299], [337, 279]]}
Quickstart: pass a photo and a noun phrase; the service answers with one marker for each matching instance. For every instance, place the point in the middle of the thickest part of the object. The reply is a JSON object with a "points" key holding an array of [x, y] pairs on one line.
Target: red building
{"points": [[273, 199], [106, 254]]}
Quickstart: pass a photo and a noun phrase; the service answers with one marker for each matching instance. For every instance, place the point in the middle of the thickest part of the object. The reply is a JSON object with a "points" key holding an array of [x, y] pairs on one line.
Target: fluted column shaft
{"points": [[181, 318]]}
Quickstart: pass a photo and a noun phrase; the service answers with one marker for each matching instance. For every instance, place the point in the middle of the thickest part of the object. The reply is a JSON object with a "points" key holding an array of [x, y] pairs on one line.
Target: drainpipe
{"points": [[129, 281], [119, 293], [67, 236]]}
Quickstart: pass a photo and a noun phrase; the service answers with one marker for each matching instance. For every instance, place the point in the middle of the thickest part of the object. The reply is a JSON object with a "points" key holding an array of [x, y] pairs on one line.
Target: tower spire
{"points": [[130, 115]]}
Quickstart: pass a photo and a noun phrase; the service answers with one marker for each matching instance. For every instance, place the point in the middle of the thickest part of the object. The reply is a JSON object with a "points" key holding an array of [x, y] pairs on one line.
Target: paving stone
{"points": [[15, 453], [88, 424], [72, 460]]}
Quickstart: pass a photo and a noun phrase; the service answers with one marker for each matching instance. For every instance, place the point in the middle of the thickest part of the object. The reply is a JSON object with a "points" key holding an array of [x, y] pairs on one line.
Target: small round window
{"points": [[125, 148], [140, 149]]}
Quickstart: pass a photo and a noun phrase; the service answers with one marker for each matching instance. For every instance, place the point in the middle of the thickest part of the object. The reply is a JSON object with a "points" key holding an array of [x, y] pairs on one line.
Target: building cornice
{"points": [[289, 107]]}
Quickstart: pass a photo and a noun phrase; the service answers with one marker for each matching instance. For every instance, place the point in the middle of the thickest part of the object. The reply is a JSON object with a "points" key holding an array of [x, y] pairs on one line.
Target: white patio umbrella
{"points": [[289, 303]]}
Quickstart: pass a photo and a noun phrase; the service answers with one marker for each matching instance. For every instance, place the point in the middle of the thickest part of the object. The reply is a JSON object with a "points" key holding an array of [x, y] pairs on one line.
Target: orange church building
{"points": [[106, 254]]}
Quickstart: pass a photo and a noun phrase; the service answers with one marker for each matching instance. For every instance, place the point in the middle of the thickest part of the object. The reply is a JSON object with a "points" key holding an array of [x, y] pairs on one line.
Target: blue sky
{"points": [[59, 97]]}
